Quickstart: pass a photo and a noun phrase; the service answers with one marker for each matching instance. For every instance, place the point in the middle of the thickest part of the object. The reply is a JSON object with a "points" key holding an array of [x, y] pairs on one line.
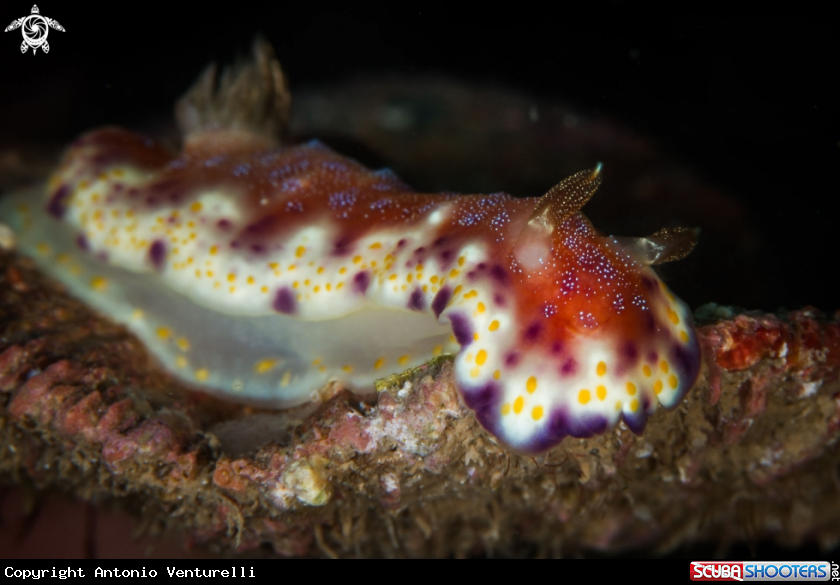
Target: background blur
{"points": [[746, 105]]}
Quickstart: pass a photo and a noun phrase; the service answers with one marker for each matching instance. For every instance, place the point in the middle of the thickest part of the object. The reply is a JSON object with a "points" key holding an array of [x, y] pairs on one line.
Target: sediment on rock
{"points": [[750, 455]]}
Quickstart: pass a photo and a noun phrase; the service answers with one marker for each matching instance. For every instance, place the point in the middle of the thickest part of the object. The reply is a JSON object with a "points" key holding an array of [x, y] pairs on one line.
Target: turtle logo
{"points": [[35, 28]]}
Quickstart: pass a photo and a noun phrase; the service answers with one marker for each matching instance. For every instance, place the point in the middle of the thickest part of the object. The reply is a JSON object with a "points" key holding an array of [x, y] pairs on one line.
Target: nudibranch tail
{"points": [[261, 272]]}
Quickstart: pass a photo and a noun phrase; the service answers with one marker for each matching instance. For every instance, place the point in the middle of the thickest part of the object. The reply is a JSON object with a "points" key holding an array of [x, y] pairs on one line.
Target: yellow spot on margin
{"points": [[261, 367], [673, 382], [663, 365], [98, 283], [402, 360], [537, 413], [184, 344], [379, 363], [163, 333], [201, 375]]}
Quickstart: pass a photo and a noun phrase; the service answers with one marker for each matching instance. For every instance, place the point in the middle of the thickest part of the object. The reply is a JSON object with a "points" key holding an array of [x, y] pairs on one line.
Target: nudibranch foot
{"points": [[261, 272]]}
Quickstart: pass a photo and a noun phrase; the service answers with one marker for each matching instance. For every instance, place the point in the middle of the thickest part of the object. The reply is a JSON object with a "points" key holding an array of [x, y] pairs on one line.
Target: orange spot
{"points": [[531, 385], [357, 259], [657, 386], [433, 279], [631, 388], [301, 250], [231, 277], [461, 261], [196, 207], [497, 374], [494, 325], [343, 270], [375, 246], [684, 336], [214, 250], [601, 391], [673, 382], [601, 369], [672, 315], [320, 270], [537, 413], [584, 396], [403, 360], [663, 365], [518, 405], [646, 370], [378, 363]]}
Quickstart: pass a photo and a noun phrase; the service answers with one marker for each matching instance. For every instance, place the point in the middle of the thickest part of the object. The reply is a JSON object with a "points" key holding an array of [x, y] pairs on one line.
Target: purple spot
{"points": [[157, 254], [512, 359], [499, 274], [361, 282], [118, 187], [57, 205], [441, 300], [284, 301], [342, 246], [133, 192], [499, 300], [401, 244], [533, 332], [446, 257], [225, 224], [82, 242], [630, 351], [417, 302], [652, 357], [461, 329], [648, 282], [102, 256], [257, 248], [419, 251], [235, 244], [569, 367], [557, 347]]}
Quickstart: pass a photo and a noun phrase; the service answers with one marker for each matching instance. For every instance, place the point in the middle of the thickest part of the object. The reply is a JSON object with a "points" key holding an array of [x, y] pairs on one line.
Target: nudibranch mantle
{"points": [[263, 272]]}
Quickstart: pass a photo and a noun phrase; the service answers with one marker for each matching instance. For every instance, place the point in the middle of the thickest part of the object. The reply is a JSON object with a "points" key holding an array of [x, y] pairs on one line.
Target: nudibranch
{"points": [[262, 271]]}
